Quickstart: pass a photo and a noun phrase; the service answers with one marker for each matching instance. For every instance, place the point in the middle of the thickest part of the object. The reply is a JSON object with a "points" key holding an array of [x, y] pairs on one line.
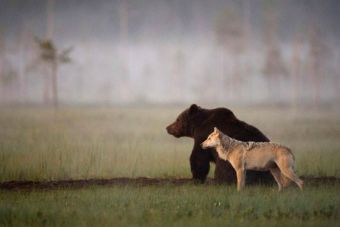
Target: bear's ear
{"points": [[193, 109]]}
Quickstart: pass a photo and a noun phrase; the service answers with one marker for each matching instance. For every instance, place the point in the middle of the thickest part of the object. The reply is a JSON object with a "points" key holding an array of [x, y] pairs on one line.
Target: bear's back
{"points": [[225, 120]]}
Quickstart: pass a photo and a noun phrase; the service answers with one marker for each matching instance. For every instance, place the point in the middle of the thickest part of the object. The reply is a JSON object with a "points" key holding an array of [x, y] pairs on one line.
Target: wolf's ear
{"points": [[216, 130], [193, 109]]}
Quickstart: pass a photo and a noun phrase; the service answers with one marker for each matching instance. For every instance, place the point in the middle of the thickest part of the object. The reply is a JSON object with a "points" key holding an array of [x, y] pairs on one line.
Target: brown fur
{"points": [[260, 156], [196, 122]]}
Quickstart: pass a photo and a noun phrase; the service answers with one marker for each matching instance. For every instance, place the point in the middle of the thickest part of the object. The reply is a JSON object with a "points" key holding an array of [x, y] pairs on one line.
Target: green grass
{"points": [[78, 143], [39, 144], [84, 142], [169, 205]]}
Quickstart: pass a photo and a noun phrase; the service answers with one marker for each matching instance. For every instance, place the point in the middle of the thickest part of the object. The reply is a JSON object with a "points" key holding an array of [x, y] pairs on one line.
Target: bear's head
{"points": [[185, 122]]}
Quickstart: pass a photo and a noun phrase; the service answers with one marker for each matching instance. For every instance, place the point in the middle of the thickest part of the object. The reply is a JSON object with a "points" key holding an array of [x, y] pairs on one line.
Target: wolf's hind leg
{"points": [[286, 165], [288, 172], [277, 176], [285, 181]]}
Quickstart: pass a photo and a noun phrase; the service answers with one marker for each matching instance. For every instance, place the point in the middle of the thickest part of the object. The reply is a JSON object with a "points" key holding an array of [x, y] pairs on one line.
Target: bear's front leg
{"points": [[199, 163], [224, 172]]}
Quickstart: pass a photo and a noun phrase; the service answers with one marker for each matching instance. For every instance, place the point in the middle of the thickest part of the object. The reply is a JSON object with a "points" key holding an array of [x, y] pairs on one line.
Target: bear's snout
{"points": [[168, 129], [171, 129]]}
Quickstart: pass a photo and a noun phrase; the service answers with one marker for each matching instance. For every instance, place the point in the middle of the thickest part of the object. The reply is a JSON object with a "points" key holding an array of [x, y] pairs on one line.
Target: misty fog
{"points": [[171, 51]]}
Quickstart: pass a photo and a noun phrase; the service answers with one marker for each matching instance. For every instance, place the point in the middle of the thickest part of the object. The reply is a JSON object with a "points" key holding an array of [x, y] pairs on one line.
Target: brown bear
{"points": [[197, 123]]}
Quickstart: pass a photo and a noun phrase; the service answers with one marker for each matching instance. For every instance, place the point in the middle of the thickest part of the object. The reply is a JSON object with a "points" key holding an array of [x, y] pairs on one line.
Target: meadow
{"points": [[41, 144]]}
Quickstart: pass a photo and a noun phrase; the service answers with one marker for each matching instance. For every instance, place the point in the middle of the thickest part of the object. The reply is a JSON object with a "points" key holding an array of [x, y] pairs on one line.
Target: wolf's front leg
{"points": [[241, 178]]}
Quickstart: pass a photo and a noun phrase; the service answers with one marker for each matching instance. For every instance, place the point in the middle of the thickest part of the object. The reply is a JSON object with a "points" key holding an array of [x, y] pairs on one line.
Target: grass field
{"points": [[172, 206], [86, 142]]}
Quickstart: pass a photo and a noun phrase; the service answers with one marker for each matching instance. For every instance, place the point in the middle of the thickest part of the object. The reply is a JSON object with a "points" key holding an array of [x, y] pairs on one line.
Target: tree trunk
{"points": [[46, 89], [54, 85]]}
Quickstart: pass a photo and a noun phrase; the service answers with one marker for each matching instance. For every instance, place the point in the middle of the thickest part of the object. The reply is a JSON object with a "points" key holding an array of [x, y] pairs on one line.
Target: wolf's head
{"points": [[213, 140]]}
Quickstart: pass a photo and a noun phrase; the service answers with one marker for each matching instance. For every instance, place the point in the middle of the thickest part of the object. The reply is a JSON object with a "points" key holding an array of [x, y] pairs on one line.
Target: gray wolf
{"points": [[260, 156]]}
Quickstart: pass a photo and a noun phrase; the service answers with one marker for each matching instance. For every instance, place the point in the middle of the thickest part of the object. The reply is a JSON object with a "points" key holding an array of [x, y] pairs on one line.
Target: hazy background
{"points": [[171, 51]]}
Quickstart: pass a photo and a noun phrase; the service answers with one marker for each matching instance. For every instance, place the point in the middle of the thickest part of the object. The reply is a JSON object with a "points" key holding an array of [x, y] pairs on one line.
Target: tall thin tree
{"points": [[49, 54]]}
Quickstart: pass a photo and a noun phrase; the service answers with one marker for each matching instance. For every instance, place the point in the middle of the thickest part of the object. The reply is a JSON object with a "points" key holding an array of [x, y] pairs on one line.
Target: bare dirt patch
{"points": [[140, 181]]}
